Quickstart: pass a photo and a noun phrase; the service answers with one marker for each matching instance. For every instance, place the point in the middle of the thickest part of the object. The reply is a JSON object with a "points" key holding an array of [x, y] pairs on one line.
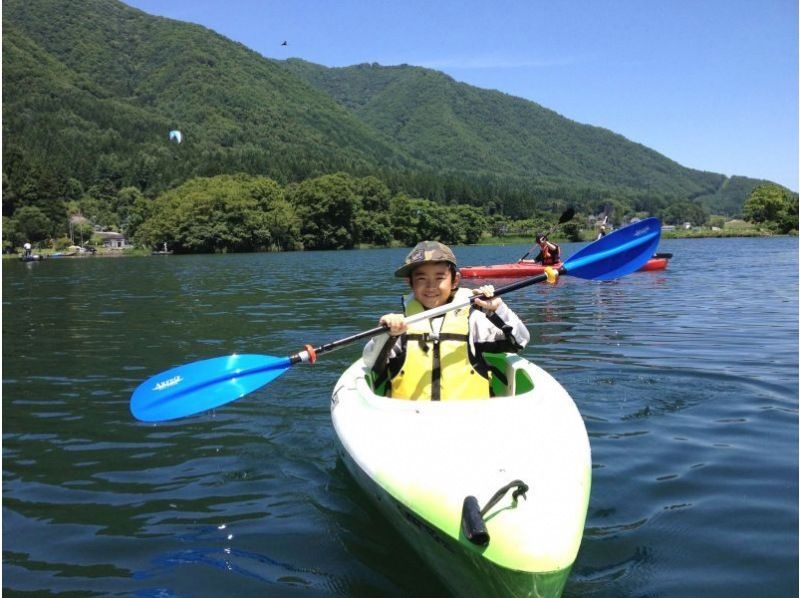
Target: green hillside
{"points": [[454, 126], [92, 89], [110, 81]]}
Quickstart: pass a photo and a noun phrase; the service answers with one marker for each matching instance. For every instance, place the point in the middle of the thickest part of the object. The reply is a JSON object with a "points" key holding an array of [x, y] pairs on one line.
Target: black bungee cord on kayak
{"points": [[472, 523]]}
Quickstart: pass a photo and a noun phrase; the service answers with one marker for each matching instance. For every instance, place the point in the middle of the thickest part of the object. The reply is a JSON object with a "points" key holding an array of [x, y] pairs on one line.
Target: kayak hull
{"points": [[656, 263], [521, 269], [419, 460], [528, 268], [456, 566]]}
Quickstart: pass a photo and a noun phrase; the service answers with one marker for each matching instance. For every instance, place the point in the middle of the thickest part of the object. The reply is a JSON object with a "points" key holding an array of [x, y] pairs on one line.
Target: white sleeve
{"points": [[374, 347], [508, 328]]}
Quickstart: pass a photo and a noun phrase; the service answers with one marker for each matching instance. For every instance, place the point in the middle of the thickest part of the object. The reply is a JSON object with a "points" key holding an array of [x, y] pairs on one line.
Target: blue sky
{"points": [[711, 84]]}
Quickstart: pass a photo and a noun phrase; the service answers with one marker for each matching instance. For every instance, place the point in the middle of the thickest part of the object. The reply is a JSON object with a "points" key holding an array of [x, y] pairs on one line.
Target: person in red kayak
{"points": [[441, 358], [549, 252]]}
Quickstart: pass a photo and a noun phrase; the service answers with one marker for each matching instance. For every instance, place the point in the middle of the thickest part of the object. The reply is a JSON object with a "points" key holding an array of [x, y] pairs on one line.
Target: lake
{"points": [[687, 380]]}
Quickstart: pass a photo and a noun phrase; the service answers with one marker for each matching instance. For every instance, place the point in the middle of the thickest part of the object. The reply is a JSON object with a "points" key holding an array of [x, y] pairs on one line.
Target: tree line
{"points": [[254, 213], [335, 211]]}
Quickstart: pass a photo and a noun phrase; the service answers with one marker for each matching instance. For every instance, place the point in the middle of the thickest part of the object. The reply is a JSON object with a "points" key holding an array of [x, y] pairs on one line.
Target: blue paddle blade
{"points": [[203, 385], [619, 253]]}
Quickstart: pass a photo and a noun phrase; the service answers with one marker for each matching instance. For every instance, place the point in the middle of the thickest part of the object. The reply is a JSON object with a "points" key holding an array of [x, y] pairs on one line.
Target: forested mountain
{"points": [[457, 127], [92, 89]]}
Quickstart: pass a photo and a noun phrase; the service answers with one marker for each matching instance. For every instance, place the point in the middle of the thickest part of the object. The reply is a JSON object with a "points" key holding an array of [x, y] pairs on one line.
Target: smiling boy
{"points": [[441, 358]]}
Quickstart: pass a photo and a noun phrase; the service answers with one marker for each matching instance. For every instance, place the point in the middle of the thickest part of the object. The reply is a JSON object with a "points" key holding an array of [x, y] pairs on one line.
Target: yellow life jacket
{"points": [[437, 367]]}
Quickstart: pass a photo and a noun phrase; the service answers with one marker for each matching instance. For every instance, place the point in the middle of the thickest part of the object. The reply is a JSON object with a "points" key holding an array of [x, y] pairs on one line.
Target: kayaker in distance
{"points": [[27, 248], [441, 358], [549, 252], [602, 233]]}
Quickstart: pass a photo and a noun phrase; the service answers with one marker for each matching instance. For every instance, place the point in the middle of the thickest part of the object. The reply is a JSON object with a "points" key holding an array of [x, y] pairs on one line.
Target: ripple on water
{"points": [[688, 388]]}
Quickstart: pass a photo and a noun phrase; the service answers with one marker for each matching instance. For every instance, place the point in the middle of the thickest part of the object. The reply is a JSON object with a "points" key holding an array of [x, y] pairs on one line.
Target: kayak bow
{"points": [[429, 467]]}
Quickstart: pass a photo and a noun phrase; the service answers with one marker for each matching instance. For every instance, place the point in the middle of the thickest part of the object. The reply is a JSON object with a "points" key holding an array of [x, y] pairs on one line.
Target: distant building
{"points": [[113, 240]]}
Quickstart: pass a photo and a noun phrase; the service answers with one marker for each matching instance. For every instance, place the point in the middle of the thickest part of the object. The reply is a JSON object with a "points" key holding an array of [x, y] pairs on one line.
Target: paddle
{"points": [[203, 385], [565, 217]]}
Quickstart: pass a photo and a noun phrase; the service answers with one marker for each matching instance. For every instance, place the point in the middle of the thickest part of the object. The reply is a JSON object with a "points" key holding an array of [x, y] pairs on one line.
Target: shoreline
{"points": [[703, 234], [511, 240]]}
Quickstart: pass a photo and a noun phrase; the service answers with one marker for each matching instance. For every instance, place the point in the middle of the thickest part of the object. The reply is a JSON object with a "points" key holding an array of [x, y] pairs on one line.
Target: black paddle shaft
{"points": [[332, 346]]}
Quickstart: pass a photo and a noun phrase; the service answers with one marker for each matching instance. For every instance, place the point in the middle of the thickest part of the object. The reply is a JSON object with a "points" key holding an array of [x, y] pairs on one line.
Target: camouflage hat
{"points": [[425, 252]]}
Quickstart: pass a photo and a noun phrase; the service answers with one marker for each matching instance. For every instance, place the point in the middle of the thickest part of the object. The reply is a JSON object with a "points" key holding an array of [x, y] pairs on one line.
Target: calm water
{"points": [[687, 380]]}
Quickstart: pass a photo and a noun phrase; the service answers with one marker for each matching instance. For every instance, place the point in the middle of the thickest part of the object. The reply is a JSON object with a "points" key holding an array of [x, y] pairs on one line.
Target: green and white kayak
{"points": [[420, 460]]}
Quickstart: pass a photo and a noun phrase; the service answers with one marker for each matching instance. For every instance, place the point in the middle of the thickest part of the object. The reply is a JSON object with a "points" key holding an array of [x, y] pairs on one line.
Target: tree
{"points": [[373, 222], [328, 207], [683, 211], [716, 221], [217, 214], [773, 206], [31, 224], [80, 228], [471, 223], [9, 235], [415, 220]]}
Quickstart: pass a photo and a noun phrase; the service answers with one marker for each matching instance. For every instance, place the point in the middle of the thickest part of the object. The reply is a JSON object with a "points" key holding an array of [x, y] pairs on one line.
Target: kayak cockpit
{"points": [[508, 377]]}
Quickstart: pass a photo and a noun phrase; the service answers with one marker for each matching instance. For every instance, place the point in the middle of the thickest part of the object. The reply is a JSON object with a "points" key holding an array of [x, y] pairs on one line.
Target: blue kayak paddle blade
{"points": [[618, 253], [203, 385]]}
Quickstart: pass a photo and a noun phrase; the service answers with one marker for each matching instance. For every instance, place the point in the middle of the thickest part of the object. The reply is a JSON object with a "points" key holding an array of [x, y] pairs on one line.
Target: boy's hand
{"points": [[487, 305], [396, 323]]}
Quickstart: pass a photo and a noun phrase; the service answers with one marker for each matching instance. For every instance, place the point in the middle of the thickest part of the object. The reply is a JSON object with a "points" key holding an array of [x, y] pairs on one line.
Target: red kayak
{"points": [[527, 268], [655, 263]]}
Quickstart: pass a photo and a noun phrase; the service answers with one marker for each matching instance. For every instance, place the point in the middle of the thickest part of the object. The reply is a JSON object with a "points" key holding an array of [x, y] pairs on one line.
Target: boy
{"points": [[549, 252], [441, 358]]}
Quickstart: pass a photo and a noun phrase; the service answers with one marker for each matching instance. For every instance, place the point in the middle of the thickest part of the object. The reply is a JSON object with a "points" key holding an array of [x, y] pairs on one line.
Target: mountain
{"points": [[95, 86], [92, 89], [458, 127], [454, 126]]}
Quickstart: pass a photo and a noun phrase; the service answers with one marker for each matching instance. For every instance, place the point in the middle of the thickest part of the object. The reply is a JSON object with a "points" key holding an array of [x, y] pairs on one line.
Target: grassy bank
{"points": [[48, 254], [739, 231]]}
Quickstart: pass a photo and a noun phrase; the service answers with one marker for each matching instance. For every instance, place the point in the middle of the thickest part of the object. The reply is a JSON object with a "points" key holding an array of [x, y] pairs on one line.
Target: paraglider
{"points": [[176, 136]]}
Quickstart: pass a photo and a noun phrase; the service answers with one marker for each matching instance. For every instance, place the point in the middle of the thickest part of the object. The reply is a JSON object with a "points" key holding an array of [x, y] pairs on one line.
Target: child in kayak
{"points": [[441, 358], [549, 252]]}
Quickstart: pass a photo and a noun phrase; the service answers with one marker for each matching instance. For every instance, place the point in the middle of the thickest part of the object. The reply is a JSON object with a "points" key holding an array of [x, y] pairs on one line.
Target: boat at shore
{"points": [[491, 492], [75, 251], [525, 268]]}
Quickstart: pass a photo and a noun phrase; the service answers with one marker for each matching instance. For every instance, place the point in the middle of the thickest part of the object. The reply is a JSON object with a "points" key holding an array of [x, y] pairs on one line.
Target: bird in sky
{"points": [[284, 44]]}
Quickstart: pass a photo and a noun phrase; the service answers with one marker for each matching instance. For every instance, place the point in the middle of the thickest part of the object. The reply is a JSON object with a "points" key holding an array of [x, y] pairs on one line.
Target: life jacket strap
{"points": [[434, 337], [436, 367]]}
